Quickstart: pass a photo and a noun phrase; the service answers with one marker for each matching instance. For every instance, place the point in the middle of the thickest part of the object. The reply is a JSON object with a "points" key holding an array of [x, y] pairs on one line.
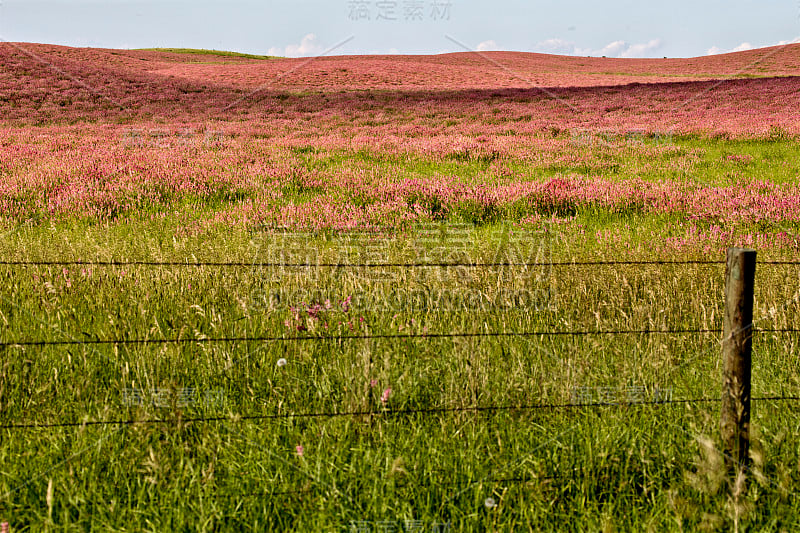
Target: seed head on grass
{"points": [[710, 471]]}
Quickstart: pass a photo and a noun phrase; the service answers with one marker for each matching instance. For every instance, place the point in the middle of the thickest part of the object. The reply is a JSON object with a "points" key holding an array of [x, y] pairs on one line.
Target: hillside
{"points": [[740, 93], [447, 71]]}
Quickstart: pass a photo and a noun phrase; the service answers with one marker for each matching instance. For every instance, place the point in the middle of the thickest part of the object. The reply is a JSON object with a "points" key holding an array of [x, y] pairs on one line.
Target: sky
{"points": [[296, 28]]}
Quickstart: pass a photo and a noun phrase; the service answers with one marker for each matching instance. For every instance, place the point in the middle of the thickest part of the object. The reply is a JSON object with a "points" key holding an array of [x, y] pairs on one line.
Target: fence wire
{"points": [[379, 413], [354, 265], [373, 413], [393, 336], [281, 264]]}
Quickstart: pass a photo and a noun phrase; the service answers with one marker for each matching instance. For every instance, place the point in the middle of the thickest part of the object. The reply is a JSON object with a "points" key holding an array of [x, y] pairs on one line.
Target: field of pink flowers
{"points": [[348, 396], [347, 142], [743, 94]]}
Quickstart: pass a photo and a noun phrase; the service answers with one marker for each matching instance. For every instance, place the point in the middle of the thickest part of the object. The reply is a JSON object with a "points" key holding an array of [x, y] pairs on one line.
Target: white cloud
{"points": [[307, 47], [615, 49], [642, 49], [487, 46], [556, 46], [714, 50], [612, 49]]}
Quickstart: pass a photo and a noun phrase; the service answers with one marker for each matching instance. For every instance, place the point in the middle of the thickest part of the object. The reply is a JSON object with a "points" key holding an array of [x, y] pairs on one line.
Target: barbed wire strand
{"points": [[373, 413], [372, 265], [393, 336], [398, 336], [353, 265], [267, 493]]}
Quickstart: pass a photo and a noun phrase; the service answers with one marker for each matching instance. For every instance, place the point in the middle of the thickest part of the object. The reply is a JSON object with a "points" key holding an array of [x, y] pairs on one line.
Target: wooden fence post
{"points": [[736, 352]]}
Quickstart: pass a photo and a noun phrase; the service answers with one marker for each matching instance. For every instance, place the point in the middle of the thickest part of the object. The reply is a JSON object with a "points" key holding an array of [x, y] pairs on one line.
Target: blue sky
{"points": [[615, 28]]}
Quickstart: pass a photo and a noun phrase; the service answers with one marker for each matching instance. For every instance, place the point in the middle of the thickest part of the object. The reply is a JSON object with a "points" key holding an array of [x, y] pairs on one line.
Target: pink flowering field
{"points": [[280, 350], [346, 142]]}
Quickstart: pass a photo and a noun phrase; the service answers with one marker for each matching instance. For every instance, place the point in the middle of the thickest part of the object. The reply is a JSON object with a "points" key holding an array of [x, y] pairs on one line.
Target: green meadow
{"points": [[296, 388]]}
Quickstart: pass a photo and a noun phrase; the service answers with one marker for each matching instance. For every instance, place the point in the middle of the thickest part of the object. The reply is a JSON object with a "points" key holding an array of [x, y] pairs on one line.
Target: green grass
{"points": [[630, 467], [679, 158], [198, 51]]}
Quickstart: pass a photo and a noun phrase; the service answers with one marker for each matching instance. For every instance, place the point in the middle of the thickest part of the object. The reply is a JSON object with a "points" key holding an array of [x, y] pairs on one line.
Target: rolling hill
{"points": [[742, 93]]}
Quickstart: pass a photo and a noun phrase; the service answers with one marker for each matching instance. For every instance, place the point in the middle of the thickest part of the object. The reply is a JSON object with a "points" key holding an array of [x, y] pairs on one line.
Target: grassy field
{"points": [[198, 51], [626, 467], [292, 387]]}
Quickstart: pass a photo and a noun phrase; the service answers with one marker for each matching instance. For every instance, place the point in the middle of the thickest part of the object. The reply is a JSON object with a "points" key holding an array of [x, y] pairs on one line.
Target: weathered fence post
{"points": [[736, 353]]}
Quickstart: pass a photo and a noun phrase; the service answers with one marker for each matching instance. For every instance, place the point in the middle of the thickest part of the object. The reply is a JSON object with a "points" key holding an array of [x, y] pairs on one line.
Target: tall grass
{"points": [[632, 466]]}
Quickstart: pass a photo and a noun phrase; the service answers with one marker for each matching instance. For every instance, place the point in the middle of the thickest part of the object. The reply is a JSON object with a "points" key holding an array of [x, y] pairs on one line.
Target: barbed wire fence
{"points": [[322, 338], [384, 412]]}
